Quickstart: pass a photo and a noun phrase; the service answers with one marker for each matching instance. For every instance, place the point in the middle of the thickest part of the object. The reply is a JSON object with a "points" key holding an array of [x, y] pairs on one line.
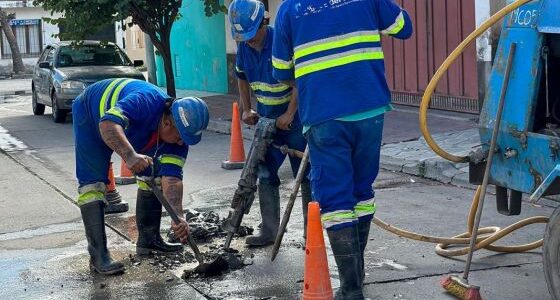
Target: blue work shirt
{"points": [[138, 107], [332, 49], [255, 67]]}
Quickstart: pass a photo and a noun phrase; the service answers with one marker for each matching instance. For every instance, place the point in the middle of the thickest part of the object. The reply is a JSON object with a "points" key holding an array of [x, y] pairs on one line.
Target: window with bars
{"points": [[28, 36]]}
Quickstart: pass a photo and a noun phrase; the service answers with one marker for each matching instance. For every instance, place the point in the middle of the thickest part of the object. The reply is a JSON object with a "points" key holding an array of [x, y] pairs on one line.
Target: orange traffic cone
{"points": [[236, 150], [316, 280], [111, 185], [114, 199], [126, 176]]}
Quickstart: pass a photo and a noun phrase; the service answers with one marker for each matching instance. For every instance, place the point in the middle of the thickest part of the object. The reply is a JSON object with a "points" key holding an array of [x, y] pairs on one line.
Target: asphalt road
{"points": [[42, 246]]}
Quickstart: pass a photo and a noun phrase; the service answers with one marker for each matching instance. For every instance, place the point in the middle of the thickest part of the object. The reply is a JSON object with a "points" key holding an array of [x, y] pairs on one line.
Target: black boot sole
{"points": [[111, 272]]}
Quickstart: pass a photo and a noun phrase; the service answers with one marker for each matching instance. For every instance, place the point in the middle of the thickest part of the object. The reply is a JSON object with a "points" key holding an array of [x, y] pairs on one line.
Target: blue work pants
{"points": [[344, 165]]}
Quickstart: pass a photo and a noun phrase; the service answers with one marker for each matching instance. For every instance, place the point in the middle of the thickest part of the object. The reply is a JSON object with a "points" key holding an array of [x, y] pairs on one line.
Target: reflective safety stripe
{"points": [[396, 27], [90, 196], [274, 100], [105, 96], [267, 87], [238, 69], [173, 160], [143, 186], [282, 64], [116, 112], [338, 217], [338, 59], [113, 91], [338, 41], [118, 90], [364, 208]]}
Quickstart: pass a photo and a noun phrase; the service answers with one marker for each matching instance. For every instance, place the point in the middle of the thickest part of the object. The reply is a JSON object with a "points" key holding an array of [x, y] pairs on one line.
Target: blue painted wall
{"points": [[198, 50]]}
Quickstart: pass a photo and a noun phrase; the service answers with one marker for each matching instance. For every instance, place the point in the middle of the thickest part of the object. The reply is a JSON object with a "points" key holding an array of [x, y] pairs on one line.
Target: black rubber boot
{"points": [[93, 216], [305, 199], [269, 200], [148, 221], [345, 244], [363, 232]]}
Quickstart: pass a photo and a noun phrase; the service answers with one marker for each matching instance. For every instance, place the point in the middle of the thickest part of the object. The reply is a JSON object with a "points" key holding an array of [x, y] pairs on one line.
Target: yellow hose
{"points": [[444, 67], [487, 235]]}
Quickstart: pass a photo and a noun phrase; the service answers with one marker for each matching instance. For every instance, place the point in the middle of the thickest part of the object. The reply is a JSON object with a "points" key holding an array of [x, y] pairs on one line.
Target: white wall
{"points": [[38, 13], [483, 43]]}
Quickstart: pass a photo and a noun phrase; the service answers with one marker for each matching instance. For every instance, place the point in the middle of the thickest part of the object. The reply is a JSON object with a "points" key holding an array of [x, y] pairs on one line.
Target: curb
{"points": [[224, 127], [16, 93], [411, 157]]}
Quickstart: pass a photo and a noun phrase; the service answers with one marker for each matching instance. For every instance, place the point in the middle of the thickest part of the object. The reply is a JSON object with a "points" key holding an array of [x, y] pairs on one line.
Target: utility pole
{"points": [[150, 59]]}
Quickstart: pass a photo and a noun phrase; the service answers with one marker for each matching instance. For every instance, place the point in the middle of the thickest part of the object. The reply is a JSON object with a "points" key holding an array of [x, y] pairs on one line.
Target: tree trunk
{"points": [[168, 68], [12, 41]]}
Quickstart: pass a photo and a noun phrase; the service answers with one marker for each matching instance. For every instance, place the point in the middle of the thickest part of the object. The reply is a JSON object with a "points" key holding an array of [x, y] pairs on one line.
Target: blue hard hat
{"points": [[191, 117], [245, 17]]}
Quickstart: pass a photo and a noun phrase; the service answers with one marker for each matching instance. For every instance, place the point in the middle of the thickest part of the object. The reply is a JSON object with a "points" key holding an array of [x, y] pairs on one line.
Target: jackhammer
{"points": [[247, 185]]}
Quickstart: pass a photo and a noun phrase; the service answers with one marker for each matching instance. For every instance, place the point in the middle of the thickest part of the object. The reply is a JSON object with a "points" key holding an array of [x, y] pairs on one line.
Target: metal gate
{"points": [[439, 26]]}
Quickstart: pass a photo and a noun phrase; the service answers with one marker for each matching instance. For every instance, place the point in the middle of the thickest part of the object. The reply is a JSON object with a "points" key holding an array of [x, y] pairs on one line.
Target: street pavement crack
{"points": [[449, 273]]}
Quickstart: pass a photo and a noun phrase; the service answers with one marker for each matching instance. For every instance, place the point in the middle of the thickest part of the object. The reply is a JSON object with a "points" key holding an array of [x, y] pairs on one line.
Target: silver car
{"points": [[65, 69]]}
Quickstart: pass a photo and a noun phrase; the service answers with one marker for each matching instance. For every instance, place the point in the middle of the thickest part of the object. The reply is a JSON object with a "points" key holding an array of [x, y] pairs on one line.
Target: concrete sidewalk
{"points": [[404, 149]]}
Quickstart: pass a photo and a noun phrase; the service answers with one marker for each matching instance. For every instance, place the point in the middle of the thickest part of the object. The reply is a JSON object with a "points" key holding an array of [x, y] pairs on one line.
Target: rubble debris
{"points": [[207, 225]]}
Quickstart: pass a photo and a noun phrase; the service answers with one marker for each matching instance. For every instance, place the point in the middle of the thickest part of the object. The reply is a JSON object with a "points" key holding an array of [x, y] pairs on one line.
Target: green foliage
{"points": [[213, 7], [84, 17], [81, 18]]}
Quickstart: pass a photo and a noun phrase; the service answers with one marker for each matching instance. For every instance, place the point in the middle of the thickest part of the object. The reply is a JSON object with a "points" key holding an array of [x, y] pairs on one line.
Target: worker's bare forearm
{"points": [[173, 191], [293, 106], [113, 135], [244, 94]]}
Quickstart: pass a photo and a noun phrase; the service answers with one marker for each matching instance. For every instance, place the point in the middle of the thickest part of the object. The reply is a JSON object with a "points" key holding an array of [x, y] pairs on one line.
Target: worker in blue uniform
{"points": [[275, 100], [331, 50], [151, 132]]}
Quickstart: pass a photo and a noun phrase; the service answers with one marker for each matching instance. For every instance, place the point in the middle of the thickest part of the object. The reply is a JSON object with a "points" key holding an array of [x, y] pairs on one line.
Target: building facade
{"points": [[199, 44], [31, 31]]}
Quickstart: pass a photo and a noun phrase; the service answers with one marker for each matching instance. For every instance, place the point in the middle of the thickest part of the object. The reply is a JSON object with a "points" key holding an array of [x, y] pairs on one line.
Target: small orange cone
{"points": [[316, 280], [126, 176], [111, 185], [236, 149], [115, 204]]}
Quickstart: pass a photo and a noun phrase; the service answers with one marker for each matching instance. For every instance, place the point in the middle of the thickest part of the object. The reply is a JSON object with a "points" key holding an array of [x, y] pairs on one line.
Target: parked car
{"points": [[65, 69]]}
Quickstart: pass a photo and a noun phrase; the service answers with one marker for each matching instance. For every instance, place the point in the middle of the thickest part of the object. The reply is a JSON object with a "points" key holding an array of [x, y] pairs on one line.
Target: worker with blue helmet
{"points": [[332, 52], [275, 100], [152, 133]]}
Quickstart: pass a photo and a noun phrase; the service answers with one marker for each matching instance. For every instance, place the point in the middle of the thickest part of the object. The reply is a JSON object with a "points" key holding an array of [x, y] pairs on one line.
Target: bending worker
{"points": [[275, 101], [332, 51], [151, 132]]}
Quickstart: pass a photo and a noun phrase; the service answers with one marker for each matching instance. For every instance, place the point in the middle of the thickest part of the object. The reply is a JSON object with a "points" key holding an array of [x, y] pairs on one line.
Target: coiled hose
{"points": [[486, 235]]}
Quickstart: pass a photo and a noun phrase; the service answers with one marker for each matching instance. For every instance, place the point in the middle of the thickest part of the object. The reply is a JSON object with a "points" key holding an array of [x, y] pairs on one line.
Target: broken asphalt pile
{"points": [[205, 228]]}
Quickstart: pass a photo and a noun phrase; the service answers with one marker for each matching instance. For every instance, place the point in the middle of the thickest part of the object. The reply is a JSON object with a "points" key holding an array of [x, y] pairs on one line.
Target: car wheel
{"points": [[551, 254], [38, 108], [59, 115]]}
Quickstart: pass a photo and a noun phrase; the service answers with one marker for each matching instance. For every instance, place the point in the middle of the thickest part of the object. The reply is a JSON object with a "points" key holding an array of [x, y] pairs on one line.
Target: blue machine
{"points": [[527, 154], [528, 146]]}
